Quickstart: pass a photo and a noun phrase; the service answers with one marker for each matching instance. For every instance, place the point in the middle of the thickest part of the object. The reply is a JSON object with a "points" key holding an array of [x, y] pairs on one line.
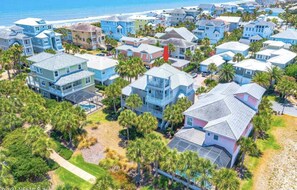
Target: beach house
{"points": [[118, 26], [87, 36], [246, 69], [215, 123], [103, 67], [218, 60], [159, 87], [140, 21], [181, 33], [180, 47], [139, 47], [182, 15], [59, 75], [230, 8], [274, 11], [278, 57], [211, 29], [233, 21], [209, 8], [42, 34], [257, 30], [15, 36], [234, 47], [287, 36]]}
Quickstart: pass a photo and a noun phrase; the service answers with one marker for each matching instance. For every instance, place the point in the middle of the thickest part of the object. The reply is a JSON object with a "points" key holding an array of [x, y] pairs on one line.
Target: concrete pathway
{"points": [[72, 168]]}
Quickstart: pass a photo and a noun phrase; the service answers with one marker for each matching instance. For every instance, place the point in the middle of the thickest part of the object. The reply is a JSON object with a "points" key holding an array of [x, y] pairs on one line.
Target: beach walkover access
{"points": [[72, 168]]}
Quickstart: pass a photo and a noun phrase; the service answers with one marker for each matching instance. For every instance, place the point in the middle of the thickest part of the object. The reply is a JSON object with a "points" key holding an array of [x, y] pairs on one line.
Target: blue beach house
{"points": [[117, 26], [288, 36], [42, 34], [275, 11], [103, 67], [211, 29], [207, 7]]}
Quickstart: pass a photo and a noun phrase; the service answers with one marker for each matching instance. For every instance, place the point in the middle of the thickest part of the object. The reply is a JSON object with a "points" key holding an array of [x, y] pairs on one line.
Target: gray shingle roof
{"points": [[205, 6], [181, 32], [287, 34], [224, 113], [118, 18], [178, 11], [73, 77], [253, 89], [9, 34], [59, 61], [213, 22], [40, 57], [177, 42]]}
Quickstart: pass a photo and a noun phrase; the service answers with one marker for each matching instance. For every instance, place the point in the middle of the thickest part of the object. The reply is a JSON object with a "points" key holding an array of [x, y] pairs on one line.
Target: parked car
{"points": [[101, 54], [205, 74], [194, 75]]}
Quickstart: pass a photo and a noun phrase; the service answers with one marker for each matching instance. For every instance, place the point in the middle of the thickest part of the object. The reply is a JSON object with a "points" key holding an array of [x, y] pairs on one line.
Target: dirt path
{"points": [[277, 169], [54, 179]]}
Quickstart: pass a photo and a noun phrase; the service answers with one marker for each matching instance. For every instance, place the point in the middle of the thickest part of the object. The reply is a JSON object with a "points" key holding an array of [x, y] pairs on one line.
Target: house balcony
{"points": [[157, 84], [156, 100]]}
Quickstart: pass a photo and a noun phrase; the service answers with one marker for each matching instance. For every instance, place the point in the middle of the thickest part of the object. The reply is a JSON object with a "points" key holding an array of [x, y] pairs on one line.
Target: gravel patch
{"points": [[93, 154]]}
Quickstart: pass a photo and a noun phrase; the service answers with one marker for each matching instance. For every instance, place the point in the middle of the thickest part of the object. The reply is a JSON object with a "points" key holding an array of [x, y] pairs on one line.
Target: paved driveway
{"points": [[288, 108], [199, 81]]}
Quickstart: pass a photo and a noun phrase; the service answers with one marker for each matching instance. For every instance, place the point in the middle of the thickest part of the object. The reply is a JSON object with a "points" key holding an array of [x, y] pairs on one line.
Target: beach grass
{"points": [[97, 116], [69, 178], [264, 145], [93, 169]]}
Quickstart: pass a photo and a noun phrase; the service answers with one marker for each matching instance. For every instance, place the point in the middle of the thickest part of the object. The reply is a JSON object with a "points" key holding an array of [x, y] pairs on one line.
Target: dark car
{"points": [[205, 74]]}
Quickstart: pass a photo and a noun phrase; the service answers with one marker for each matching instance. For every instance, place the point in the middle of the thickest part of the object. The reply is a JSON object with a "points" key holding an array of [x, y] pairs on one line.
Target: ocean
{"points": [[51, 10]]}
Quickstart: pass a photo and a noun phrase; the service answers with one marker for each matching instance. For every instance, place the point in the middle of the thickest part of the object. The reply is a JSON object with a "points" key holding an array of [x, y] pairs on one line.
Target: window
{"points": [[43, 83], [189, 121], [68, 70], [88, 80], [208, 134], [37, 28], [49, 27], [56, 73], [79, 67], [216, 137], [103, 72]]}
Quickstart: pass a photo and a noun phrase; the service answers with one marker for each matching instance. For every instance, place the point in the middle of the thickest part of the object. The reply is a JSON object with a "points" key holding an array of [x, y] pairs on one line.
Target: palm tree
{"points": [[105, 182], [170, 163], [10, 121], [35, 114], [137, 67], [135, 152], [6, 62], [226, 73], [188, 164], [260, 124], [261, 78], [205, 170], [127, 119], [197, 58], [183, 103], [134, 102], [158, 62], [146, 123], [238, 57], [247, 146], [188, 54], [156, 150], [67, 47], [205, 42], [212, 67], [171, 48], [225, 179], [122, 68], [173, 115], [113, 92], [275, 74]]}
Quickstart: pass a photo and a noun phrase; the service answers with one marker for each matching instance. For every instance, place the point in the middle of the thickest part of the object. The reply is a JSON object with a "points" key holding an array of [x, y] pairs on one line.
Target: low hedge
{"points": [[189, 68], [63, 151]]}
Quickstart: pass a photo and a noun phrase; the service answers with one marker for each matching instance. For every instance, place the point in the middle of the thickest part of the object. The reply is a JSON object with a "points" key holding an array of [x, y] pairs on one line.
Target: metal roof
{"points": [[59, 61], [73, 77]]}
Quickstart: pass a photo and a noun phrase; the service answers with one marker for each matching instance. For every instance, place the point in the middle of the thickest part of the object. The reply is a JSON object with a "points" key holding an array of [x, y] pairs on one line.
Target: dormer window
{"points": [[56, 73], [37, 28]]}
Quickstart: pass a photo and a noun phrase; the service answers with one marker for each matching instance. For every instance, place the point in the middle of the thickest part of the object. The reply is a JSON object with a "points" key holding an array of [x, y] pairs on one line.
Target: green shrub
{"points": [[38, 185], [52, 164], [65, 153], [189, 68], [100, 87]]}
